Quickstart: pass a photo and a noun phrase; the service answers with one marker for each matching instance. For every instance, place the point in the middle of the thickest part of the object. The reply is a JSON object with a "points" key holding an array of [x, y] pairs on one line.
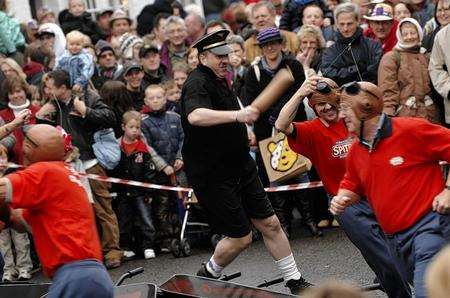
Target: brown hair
{"points": [[12, 83], [167, 85], [131, 115]]}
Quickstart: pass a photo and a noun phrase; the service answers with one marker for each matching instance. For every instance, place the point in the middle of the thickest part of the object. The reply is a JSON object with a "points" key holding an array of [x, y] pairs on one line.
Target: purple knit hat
{"points": [[268, 35]]}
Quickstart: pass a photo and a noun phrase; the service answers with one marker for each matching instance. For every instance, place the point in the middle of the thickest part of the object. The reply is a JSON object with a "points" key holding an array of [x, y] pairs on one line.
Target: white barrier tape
{"points": [[290, 187]]}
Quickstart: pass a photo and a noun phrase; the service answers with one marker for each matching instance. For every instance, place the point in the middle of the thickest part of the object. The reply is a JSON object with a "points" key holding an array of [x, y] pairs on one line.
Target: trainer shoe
{"points": [[149, 254], [8, 277], [296, 286], [24, 275], [205, 273], [128, 255]]}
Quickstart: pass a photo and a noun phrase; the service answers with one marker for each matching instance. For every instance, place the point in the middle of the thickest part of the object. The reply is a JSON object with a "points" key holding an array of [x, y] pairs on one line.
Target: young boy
{"points": [[77, 62], [173, 95], [164, 134], [135, 164]]}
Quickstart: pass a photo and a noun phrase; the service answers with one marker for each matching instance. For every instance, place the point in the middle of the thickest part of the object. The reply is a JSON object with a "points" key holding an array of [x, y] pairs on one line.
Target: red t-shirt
{"points": [[401, 175], [59, 213], [326, 147]]}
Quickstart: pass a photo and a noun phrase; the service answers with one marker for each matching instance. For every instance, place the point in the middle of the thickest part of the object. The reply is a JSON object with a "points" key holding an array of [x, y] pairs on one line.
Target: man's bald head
{"points": [[43, 143]]}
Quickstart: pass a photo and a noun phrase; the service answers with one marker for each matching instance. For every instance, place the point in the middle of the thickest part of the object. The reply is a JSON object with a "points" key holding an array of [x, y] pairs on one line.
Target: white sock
{"points": [[288, 268], [213, 268]]}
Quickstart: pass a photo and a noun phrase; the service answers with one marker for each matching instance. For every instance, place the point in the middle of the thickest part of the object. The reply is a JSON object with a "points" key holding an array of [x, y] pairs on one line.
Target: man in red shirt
{"points": [[326, 142], [396, 165], [49, 197]]}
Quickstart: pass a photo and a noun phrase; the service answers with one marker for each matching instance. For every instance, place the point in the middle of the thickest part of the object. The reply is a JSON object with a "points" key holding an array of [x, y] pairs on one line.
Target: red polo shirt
{"points": [[59, 213], [326, 147], [401, 175]]}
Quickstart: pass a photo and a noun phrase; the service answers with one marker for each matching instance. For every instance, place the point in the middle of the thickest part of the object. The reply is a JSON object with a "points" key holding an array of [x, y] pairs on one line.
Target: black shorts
{"points": [[229, 203]]}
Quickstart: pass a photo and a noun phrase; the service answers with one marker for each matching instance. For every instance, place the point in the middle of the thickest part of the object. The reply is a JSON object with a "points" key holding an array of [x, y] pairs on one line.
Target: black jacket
{"points": [[137, 166], [293, 13], [253, 87], [146, 17], [98, 116], [83, 23], [162, 76], [339, 65]]}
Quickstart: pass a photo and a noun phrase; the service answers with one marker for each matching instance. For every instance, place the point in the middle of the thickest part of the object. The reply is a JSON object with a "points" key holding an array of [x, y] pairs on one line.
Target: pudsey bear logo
{"points": [[282, 157]]}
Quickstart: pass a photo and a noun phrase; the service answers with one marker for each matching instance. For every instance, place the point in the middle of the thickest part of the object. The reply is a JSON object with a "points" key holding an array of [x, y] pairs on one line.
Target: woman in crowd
{"points": [[403, 76], [441, 18], [115, 96], [402, 10], [311, 44]]}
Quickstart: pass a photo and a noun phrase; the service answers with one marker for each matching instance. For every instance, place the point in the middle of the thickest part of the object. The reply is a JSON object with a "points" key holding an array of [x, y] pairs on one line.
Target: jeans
{"points": [[81, 279], [129, 210]]}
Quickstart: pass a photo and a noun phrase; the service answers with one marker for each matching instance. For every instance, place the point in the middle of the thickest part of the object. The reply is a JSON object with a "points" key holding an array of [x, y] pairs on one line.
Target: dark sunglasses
{"points": [[33, 143], [322, 87], [354, 88]]}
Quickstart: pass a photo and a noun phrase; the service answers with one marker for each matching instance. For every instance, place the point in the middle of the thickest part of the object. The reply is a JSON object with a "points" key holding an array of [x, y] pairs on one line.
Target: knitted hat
{"points": [[102, 46], [127, 42], [268, 35]]}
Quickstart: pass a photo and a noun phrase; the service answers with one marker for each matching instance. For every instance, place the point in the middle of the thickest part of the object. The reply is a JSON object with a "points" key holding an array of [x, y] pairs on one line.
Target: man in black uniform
{"points": [[220, 168]]}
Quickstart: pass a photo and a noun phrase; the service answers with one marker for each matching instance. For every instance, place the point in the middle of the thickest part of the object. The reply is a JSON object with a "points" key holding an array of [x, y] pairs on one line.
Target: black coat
{"points": [[293, 13], [253, 87], [83, 23], [137, 166], [146, 18], [367, 54], [98, 116]]}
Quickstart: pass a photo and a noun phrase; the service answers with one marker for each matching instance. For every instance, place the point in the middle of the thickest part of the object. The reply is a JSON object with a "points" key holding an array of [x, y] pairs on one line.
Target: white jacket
{"points": [[440, 77]]}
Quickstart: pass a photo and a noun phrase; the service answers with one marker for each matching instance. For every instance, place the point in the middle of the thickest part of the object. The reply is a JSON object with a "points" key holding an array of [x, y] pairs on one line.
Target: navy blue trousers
{"points": [[82, 279], [361, 227], [416, 246]]}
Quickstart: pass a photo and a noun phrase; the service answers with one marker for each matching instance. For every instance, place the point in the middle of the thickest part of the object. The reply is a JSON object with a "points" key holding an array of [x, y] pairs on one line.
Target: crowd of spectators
{"points": [[112, 78]]}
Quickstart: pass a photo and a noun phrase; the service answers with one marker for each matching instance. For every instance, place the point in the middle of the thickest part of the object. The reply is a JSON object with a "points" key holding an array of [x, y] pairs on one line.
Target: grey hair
{"points": [[346, 7], [199, 18], [266, 4], [175, 20], [236, 39]]}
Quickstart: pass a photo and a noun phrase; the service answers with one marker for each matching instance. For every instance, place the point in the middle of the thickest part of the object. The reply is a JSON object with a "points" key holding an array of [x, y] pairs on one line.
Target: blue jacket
{"points": [[164, 133], [80, 67], [10, 35]]}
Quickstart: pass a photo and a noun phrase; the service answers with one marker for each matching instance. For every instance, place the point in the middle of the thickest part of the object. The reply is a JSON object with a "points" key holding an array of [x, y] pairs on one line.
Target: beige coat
{"points": [[403, 78], [252, 49], [440, 77]]}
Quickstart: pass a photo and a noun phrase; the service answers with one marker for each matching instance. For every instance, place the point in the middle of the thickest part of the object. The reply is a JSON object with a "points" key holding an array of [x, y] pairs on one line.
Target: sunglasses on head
{"points": [[323, 87], [354, 88]]}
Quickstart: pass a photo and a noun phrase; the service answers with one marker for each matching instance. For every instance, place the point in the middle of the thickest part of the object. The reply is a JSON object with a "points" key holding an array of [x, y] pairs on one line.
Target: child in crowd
{"points": [[173, 96], [134, 202], [77, 18], [162, 129], [180, 73], [77, 62]]}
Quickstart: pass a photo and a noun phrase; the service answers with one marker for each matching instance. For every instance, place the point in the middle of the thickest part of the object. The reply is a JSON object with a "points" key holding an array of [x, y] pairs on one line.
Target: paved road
{"points": [[329, 257]]}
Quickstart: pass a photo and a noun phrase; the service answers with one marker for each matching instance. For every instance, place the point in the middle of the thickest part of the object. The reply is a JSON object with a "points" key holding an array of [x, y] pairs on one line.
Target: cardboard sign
{"points": [[280, 161]]}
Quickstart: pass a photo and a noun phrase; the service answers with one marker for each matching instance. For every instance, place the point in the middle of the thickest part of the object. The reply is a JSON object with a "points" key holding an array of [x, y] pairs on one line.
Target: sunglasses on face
{"points": [[31, 141]]}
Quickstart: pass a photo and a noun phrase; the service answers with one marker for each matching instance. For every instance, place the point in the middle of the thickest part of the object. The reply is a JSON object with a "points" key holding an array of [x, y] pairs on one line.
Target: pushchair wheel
{"points": [[215, 239], [175, 248], [185, 248]]}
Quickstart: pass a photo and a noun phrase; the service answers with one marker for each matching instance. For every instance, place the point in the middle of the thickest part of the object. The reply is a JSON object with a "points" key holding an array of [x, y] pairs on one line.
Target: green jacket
{"points": [[10, 34]]}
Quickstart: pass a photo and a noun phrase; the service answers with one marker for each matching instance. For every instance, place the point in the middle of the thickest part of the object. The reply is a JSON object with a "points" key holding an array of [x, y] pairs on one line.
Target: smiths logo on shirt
{"points": [[340, 149]]}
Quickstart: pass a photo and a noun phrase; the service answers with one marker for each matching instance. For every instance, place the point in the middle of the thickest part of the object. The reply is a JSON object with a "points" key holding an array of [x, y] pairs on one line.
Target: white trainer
{"points": [[149, 254]]}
